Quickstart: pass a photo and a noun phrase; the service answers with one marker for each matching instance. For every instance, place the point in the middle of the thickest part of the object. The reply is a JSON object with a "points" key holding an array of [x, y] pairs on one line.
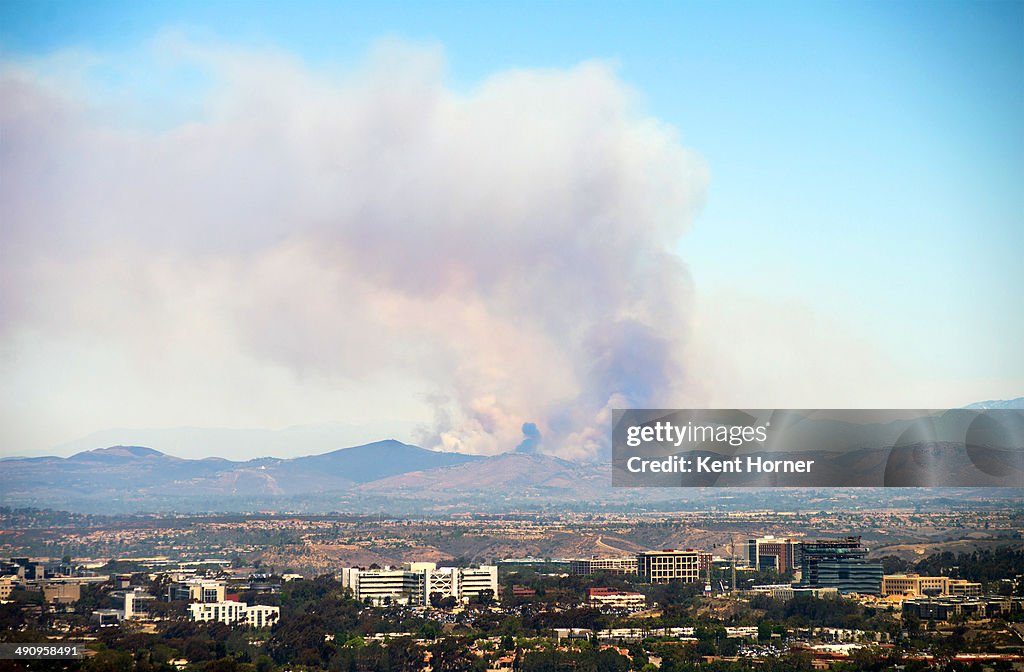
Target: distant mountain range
{"points": [[238, 443], [383, 474], [129, 478]]}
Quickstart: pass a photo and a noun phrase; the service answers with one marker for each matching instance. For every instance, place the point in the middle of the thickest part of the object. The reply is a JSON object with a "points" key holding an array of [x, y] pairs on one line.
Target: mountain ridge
{"points": [[140, 478], [144, 474]]}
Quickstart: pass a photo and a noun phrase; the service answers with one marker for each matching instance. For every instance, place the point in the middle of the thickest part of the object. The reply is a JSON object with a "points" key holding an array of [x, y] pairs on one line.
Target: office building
{"points": [[667, 565], [196, 590], [587, 566], [476, 582], [914, 585], [786, 592], [963, 588], [133, 603], [961, 608], [235, 613], [616, 599], [421, 583], [770, 554], [25, 568], [384, 586], [839, 564], [6, 586], [60, 592]]}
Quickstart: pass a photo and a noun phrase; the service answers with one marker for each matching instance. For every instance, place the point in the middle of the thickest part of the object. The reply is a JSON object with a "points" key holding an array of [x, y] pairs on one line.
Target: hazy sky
{"points": [[470, 216]]}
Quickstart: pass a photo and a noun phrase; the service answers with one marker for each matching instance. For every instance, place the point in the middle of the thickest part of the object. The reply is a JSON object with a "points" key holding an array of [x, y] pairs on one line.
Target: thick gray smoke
{"points": [[507, 251]]}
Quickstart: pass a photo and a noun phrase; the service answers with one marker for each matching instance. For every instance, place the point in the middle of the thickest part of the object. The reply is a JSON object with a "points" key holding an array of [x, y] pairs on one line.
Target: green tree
{"points": [[404, 655], [451, 655]]}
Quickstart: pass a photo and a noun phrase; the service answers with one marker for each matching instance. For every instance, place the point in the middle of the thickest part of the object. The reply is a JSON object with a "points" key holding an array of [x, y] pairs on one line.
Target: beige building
{"points": [[196, 590], [964, 587], [59, 592], [587, 566], [914, 585], [6, 586], [671, 565], [133, 604]]}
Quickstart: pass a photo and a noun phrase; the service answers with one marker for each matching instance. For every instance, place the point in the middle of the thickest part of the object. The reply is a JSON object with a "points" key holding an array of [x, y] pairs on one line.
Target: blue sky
{"points": [[865, 158]]}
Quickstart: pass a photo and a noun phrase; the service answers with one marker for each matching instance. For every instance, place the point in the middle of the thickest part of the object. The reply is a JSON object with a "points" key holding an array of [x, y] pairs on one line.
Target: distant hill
{"points": [[373, 461], [501, 474], [239, 443], [142, 477], [117, 454]]}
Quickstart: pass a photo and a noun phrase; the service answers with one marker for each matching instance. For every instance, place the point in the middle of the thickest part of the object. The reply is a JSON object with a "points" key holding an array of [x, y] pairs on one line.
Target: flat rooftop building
{"points": [[952, 608], [668, 565], [6, 586], [588, 566], [235, 613], [839, 564], [914, 585], [771, 554], [418, 582], [616, 599], [197, 590]]}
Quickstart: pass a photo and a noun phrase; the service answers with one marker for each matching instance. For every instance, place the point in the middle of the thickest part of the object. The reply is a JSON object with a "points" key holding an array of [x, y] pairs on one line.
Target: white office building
{"points": [[235, 613], [133, 600], [384, 586], [616, 599], [475, 582], [417, 582]]}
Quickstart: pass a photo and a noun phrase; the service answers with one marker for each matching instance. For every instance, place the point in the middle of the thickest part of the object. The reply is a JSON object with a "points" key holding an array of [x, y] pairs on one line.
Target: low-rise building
{"points": [[964, 587], [955, 608], [235, 613], [421, 583], [196, 590], [785, 591], [61, 592], [133, 603], [616, 599], [104, 617], [588, 566], [522, 591], [777, 591], [915, 585]]}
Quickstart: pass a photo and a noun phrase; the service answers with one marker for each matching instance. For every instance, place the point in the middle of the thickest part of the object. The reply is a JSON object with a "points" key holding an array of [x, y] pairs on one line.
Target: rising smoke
{"points": [[508, 248]]}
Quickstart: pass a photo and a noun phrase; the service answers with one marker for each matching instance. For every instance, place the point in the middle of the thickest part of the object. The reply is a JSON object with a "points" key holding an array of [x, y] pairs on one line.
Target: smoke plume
{"points": [[506, 251]]}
